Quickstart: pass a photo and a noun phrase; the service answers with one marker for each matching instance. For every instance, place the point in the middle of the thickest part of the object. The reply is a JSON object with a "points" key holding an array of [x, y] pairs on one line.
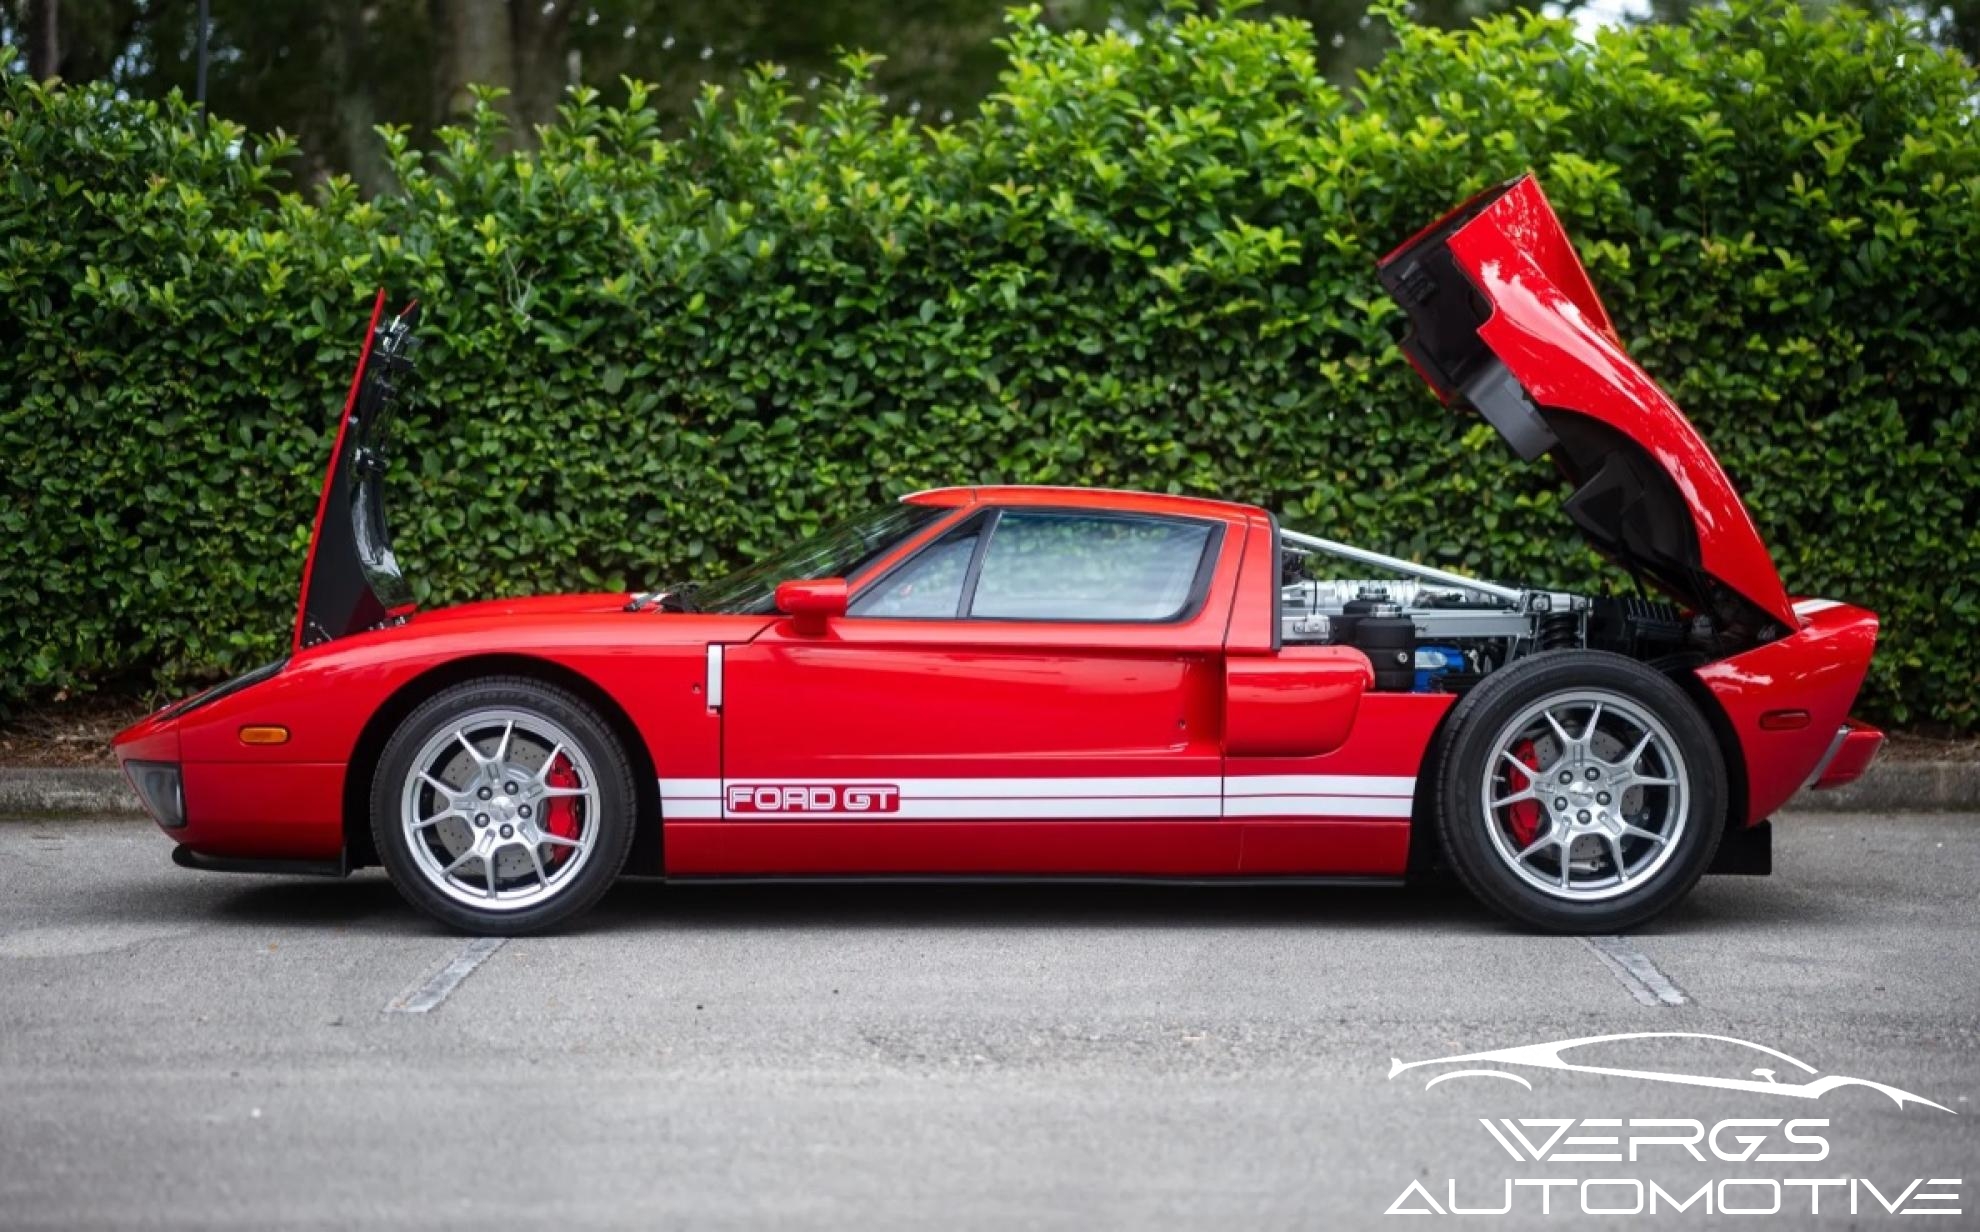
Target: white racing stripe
{"points": [[1318, 795], [690, 810], [1063, 788], [1026, 808], [691, 789], [1317, 806], [1064, 797], [1319, 785]]}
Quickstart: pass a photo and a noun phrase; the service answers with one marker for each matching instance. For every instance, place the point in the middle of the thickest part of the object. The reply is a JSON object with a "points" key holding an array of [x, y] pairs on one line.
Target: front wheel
{"points": [[502, 806], [1580, 792]]}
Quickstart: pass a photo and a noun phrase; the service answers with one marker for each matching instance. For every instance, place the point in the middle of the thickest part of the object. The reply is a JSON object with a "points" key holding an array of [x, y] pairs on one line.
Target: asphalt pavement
{"points": [[208, 1050]]}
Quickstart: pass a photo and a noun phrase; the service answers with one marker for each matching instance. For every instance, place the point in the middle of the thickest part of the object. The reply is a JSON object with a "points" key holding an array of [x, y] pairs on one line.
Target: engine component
{"points": [[1455, 601], [1435, 632], [1639, 628], [1388, 638], [1432, 662], [1364, 604], [1559, 631], [1310, 628]]}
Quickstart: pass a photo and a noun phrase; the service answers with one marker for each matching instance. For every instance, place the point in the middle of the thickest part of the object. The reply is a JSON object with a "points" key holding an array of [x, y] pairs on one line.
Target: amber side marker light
{"points": [[265, 734], [1784, 720]]}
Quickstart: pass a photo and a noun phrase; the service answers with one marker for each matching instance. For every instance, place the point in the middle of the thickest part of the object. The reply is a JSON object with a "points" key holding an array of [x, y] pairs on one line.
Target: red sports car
{"points": [[1050, 683]]}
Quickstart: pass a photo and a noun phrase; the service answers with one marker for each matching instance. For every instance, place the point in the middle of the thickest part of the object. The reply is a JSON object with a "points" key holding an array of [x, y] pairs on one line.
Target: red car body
{"points": [[795, 743]]}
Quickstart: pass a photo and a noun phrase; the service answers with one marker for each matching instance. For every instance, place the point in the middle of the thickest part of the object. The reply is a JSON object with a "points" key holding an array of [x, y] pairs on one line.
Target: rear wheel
{"points": [[502, 806], [1579, 792]]}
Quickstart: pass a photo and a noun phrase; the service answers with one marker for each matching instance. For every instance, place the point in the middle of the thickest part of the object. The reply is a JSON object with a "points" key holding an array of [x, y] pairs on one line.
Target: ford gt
{"points": [[1031, 682]]}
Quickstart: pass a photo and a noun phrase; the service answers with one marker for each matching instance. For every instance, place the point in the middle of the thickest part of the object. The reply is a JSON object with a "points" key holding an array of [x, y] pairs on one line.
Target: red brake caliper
{"points": [[560, 815], [1524, 815]]}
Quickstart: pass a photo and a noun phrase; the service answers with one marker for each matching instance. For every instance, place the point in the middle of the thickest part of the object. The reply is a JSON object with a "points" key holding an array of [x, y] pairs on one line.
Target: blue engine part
{"points": [[1434, 661]]}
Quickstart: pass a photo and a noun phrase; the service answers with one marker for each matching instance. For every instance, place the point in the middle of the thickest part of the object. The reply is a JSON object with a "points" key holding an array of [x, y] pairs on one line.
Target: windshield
{"points": [[839, 551]]}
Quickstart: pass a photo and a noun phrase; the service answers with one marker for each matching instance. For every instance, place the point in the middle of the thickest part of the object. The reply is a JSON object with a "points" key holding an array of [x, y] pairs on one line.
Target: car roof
{"points": [[1084, 498]]}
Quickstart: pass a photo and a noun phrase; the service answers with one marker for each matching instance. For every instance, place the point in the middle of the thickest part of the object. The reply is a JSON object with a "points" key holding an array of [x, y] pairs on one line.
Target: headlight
{"points": [[157, 784]]}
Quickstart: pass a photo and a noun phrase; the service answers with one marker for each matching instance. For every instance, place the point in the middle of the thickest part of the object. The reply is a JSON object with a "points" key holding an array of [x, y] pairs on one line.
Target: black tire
{"points": [[1478, 841], [606, 819]]}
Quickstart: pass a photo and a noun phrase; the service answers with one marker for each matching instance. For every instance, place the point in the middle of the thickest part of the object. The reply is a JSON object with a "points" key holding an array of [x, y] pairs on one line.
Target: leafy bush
{"points": [[1145, 262]]}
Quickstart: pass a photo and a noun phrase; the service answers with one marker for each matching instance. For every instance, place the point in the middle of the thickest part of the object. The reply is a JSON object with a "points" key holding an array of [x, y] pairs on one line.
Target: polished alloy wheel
{"points": [[500, 809], [1585, 795]]}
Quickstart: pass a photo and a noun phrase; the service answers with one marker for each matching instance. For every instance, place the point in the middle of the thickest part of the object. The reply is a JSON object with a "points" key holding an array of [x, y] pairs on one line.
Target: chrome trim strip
{"points": [[714, 685], [1822, 767]]}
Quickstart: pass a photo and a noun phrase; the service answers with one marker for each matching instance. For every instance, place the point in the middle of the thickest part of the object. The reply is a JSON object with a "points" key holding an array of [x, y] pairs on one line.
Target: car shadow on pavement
{"points": [[367, 902], [1728, 905], [642, 904]]}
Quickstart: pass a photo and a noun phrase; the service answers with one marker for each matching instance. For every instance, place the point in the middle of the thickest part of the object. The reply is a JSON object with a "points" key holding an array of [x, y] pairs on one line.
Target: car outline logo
{"points": [[1547, 1056]]}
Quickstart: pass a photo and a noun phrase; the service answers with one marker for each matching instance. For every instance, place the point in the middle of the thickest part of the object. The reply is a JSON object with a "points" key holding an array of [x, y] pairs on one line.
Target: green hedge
{"points": [[1145, 262]]}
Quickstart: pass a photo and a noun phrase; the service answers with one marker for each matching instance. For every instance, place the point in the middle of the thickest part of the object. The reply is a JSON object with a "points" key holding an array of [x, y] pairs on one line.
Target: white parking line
{"points": [[430, 992], [1634, 971]]}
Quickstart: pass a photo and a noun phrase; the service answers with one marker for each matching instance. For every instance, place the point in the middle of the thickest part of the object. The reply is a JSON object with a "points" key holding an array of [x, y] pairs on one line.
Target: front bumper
{"points": [[186, 857], [220, 794]]}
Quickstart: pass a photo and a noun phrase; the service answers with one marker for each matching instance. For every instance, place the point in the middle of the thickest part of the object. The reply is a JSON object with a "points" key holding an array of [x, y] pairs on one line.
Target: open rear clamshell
{"points": [[351, 580], [1505, 321]]}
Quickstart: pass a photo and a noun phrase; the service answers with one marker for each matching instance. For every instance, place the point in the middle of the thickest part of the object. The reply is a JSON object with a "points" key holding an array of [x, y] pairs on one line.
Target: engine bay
{"points": [[1429, 631]]}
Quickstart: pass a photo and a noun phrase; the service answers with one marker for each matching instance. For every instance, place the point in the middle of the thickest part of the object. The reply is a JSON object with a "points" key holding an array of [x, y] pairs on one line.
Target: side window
{"points": [[1070, 566], [928, 586]]}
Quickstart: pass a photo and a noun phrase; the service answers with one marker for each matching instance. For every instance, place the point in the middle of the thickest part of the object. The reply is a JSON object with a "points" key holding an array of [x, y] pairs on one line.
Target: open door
{"points": [[351, 581]]}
